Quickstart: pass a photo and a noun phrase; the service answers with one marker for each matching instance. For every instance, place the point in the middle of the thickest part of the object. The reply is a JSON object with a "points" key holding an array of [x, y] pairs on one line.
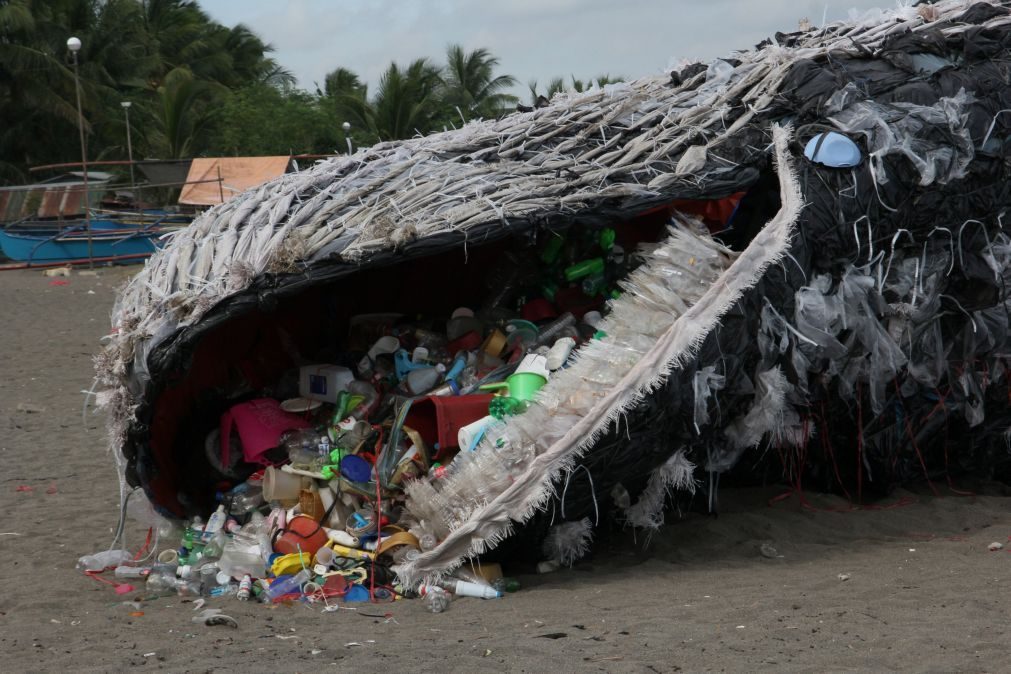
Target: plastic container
{"points": [[387, 344], [438, 419], [242, 556], [281, 486], [323, 382], [303, 534], [424, 379]]}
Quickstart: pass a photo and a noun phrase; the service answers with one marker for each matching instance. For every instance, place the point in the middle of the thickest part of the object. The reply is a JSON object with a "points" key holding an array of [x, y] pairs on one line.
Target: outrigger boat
{"points": [[110, 241]]}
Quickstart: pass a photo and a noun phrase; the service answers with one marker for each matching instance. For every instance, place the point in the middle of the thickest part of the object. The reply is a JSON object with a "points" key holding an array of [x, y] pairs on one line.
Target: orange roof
{"points": [[237, 174]]}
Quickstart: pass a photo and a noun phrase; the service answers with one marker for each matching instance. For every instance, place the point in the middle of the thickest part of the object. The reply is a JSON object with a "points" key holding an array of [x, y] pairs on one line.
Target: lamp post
{"points": [[347, 130], [129, 153], [74, 45]]}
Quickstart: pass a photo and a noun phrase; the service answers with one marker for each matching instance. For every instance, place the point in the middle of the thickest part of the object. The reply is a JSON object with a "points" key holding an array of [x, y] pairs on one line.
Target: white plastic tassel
{"points": [[568, 542], [675, 474]]}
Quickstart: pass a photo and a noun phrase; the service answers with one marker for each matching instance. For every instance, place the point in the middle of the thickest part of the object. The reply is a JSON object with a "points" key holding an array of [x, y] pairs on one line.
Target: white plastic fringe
{"points": [[530, 451], [568, 542], [675, 474]]}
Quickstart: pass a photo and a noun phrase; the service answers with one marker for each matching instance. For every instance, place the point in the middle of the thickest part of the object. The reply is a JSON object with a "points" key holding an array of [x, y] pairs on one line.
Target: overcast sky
{"points": [[534, 39]]}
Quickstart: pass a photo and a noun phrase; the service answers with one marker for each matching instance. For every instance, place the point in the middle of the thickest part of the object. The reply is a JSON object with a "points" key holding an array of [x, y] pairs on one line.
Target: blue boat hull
{"points": [[105, 245]]}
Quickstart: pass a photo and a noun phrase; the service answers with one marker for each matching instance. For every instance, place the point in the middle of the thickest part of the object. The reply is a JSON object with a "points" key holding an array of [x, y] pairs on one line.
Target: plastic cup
{"points": [[325, 556], [281, 486], [168, 557]]}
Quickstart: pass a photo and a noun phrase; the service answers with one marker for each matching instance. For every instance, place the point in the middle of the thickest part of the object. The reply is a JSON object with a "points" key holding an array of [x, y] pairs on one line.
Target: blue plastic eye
{"points": [[834, 150]]}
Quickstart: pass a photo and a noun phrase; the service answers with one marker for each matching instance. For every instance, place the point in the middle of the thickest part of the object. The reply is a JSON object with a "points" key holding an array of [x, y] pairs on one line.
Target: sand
{"points": [[910, 588]]}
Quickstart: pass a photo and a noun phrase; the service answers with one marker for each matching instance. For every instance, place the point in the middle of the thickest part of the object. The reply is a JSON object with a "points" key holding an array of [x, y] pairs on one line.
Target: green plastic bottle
{"points": [[589, 267]]}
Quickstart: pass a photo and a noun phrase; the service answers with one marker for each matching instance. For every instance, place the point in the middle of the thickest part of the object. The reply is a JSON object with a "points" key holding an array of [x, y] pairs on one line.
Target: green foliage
{"points": [[262, 120], [421, 98], [166, 56], [471, 86], [557, 86], [200, 88]]}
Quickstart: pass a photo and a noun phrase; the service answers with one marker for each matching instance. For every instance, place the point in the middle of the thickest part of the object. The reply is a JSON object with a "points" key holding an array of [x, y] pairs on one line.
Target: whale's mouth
{"points": [[259, 341]]}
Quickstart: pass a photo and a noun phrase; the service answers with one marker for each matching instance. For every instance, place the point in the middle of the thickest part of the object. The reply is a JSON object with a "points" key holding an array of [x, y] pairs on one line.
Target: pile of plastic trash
{"points": [[310, 489]]}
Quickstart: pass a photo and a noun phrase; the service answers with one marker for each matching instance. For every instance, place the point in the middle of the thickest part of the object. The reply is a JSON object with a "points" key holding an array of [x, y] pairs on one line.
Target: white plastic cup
{"points": [[325, 556], [168, 557]]}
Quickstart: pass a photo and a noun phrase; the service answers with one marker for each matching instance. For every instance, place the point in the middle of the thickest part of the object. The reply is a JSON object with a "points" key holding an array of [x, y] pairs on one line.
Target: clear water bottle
{"points": [[437, 600]]}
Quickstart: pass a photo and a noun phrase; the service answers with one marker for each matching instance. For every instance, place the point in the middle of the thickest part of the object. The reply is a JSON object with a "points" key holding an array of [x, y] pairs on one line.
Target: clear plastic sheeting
{"points": [[935, 139], [706, 381]]}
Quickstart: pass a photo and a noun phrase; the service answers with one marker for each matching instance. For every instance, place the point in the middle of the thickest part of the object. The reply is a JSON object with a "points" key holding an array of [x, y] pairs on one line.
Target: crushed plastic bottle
{"points": [[437, 600], [103, 560]]}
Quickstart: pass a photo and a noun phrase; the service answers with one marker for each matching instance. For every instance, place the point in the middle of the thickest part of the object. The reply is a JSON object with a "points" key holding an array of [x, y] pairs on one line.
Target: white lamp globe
{"points": [[74, 44]]}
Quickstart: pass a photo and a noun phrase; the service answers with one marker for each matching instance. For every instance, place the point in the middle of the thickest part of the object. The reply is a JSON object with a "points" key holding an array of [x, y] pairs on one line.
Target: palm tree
{"points": [[182, 114], [406, 103], [537, 99], [471, 85]]}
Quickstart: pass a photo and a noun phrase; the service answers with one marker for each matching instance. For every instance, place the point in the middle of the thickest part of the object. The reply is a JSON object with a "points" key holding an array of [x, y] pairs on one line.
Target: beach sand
{"points": [[911, 588]]}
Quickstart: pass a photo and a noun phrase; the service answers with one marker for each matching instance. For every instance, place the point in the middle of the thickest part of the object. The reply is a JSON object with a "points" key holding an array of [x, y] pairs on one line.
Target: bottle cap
{"points": [[223, 578]]}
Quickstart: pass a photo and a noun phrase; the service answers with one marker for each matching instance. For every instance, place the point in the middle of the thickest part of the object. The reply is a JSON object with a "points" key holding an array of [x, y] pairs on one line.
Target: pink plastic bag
{"points": [[260, 424]]}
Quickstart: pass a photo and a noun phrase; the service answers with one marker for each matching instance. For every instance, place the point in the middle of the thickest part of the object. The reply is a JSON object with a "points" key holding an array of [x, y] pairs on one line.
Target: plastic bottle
{"points": [[103, 560], [585, 268], [216, 545], [506, 584], [225, 590], [247, 503], [215, 523], [552, 331], [279, 588], [437, 600], [131, 572], [462, 588], [245, 588]]}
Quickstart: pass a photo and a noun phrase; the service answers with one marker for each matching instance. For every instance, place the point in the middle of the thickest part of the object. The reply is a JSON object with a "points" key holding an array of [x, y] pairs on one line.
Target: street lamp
{"points": [[129, 152], [74, 45], [347, 129]]}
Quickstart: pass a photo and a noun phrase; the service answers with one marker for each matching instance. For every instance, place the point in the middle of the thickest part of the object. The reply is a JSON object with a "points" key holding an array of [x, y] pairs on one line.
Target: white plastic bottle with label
{"points": [[215, 523]]}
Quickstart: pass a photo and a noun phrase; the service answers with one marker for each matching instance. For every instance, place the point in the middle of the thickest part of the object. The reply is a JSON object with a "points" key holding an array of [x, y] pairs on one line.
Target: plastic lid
{"points": [[355, 468]]}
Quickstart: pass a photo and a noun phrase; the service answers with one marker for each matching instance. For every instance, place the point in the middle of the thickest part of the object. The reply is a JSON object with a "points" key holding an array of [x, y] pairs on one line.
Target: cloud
{"points": [[534, 39]]}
